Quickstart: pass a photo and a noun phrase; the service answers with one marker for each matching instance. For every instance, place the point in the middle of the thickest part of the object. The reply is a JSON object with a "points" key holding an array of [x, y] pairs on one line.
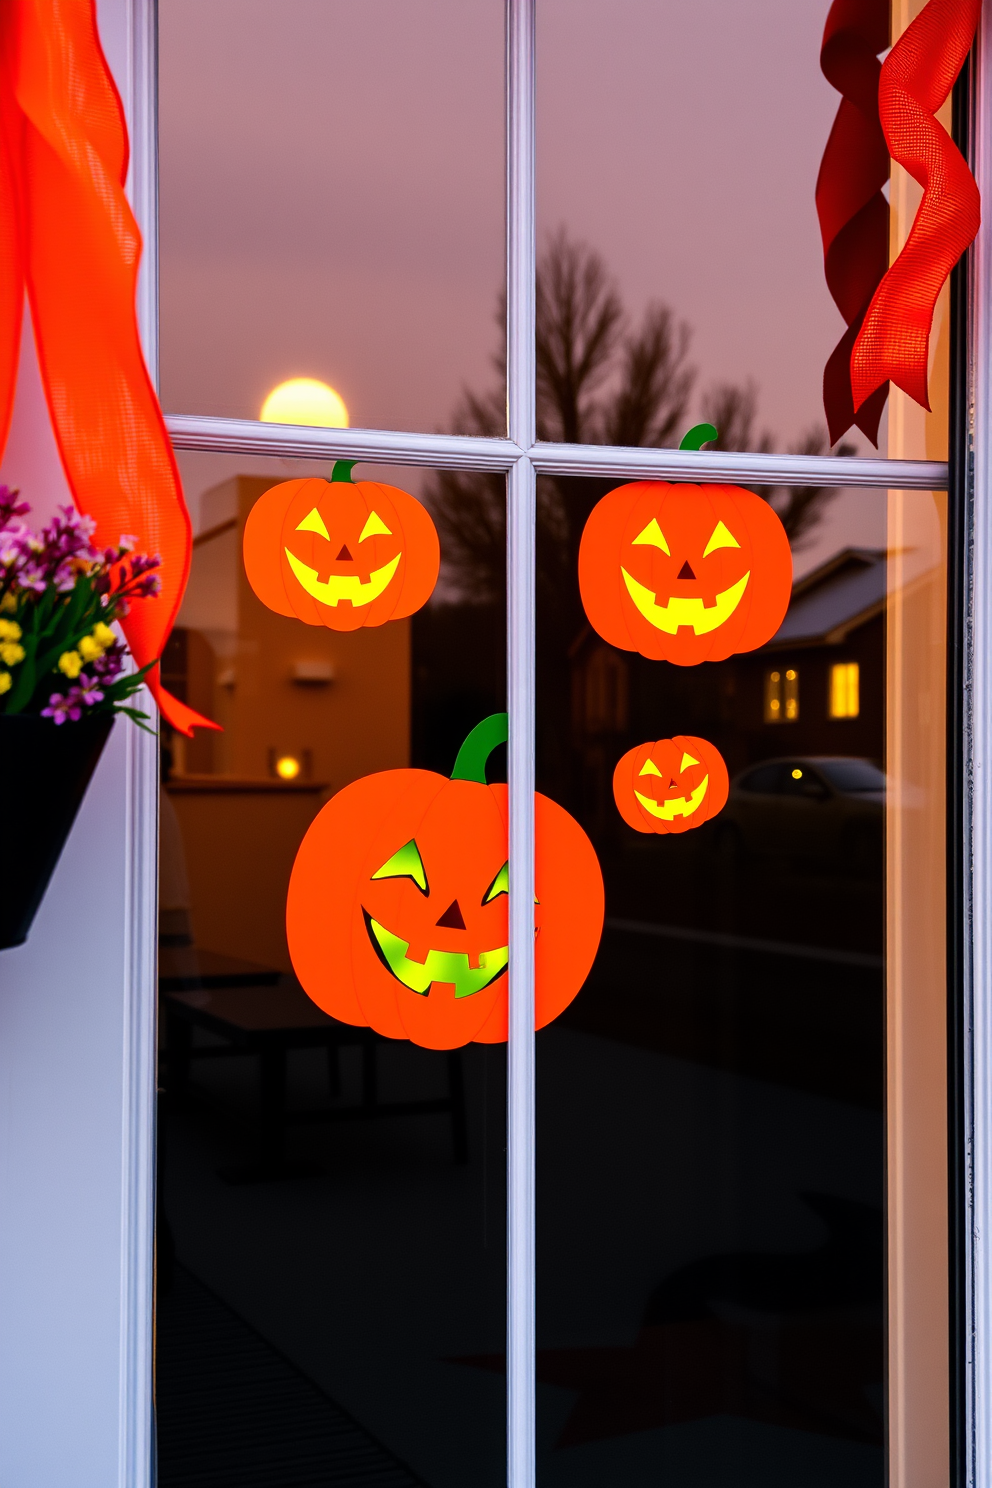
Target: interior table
{"points": [[255, 1010]]}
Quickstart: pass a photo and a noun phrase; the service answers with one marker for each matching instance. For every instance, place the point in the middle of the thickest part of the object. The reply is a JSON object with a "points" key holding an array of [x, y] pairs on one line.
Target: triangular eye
{"points": [[406, 863], [314, 522], [652, 537], [374, 527], [687, 760], [720, 538], [650, 768], [499, 885]]}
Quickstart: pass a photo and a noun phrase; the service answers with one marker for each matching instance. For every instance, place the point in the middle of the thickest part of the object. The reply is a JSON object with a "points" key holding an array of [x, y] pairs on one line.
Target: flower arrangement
{"points": [[59, 596]]}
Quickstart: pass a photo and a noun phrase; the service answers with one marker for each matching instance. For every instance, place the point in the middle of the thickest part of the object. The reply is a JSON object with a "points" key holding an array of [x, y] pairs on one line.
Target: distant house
{"points": [[817, 688]]}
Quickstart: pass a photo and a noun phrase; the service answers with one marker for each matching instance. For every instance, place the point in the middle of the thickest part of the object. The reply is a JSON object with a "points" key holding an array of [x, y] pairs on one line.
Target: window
{"points": [[683, 1088], [844, 700], [782, 696]]}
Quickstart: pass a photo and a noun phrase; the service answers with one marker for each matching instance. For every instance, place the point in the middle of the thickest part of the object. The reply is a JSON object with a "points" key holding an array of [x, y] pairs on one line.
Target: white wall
{"points": [[76, 1080]]}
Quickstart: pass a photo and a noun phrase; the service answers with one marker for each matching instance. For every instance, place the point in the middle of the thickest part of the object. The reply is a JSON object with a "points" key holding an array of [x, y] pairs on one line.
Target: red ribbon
{"points": [[853, 213], [68, 237], [916, 78]]}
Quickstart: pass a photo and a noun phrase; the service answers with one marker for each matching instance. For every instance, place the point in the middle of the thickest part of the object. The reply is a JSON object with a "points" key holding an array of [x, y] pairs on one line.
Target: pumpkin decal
{"points": [[342, 553], [684, 573], [671, 785], [397, 908]]}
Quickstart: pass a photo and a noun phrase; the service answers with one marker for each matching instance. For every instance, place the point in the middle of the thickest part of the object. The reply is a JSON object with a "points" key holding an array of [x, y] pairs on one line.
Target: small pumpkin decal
{"points": [[684, 573], [397, 908], [671, 785], [341, 553]]}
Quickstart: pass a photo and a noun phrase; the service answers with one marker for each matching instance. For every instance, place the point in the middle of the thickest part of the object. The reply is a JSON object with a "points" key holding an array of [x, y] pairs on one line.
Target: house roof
{"points": [[834, 599]]}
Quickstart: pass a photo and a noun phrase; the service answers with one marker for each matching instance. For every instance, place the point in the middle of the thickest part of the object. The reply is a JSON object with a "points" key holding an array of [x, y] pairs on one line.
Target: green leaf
{"points": [[137, 715]]}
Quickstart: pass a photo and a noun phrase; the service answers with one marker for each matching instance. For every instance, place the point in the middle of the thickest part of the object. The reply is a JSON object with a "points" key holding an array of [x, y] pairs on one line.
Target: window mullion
{"points": [[475, 452], [521, 621]]}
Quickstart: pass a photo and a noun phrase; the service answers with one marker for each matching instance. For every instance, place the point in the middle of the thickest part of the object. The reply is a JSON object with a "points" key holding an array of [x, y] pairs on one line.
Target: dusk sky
{"points": [[332, 195]]}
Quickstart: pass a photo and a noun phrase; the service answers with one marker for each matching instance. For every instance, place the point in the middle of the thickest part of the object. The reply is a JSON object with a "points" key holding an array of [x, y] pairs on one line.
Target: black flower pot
{"points": [[44, 771]]}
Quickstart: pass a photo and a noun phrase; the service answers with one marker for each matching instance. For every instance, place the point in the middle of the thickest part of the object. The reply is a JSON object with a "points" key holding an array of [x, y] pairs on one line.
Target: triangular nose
{"points": [[685, 572], [452, 917], [347, 556]]}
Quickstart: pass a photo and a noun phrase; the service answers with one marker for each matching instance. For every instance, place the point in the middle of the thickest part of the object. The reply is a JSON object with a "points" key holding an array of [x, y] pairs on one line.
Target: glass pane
{"points": [[678, 154], [331, 204], [711, 1130], [332, 1202]]}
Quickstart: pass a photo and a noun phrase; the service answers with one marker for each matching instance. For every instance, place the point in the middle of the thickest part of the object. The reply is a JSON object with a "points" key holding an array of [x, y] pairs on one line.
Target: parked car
{"points": [[824, 812]]}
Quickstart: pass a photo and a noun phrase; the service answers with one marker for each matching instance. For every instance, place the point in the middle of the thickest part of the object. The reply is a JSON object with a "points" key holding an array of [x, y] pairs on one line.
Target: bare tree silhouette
{"points": [[600, 380]]}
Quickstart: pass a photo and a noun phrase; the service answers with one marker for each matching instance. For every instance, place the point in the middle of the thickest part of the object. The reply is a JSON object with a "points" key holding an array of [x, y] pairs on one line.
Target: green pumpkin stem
{"points": [[697, 436], [342, 471], [472, 757]]}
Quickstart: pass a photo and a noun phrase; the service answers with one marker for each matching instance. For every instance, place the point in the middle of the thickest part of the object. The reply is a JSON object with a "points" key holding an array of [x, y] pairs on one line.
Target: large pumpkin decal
{"points": [[671, 785], [397, 907], [684, 573], [342, 553]]}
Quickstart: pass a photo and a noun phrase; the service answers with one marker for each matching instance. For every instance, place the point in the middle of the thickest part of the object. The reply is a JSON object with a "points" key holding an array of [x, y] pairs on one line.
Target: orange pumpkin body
{"points": [[671, 785], [684, 573], [397, 908], [341, 553]]}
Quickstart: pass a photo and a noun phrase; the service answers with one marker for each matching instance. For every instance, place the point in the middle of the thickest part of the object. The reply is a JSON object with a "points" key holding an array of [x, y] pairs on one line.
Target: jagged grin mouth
{"points": [[683, 610], [343, 586], [678, 806], [450, 967]]}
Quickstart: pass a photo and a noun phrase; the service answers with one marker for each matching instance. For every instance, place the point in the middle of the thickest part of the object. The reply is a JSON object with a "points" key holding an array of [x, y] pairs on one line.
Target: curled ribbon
{"points": [[68, 237], [853, 212], [916, 78]]}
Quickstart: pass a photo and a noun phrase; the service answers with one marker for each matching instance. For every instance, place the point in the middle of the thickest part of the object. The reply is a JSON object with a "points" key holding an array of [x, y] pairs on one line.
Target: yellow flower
{"points": [[5, 683], [103, 635], [11, 652], [89, 649], [9, 629], [9, 602], [71, 663]]}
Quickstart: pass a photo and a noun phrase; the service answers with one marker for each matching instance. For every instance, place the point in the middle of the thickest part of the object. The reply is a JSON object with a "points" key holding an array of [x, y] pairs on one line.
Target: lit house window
{"points": [[844, 694], [782, 696]]}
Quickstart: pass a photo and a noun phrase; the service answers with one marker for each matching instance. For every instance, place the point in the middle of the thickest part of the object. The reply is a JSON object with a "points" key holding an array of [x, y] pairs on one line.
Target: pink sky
{"points": [[332, 194]]}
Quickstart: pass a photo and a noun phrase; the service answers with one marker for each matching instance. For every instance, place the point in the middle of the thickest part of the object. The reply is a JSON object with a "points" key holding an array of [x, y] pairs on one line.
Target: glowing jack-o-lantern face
{"points": [[684, 573], [342, 553], [671, 785], [397, 912]]}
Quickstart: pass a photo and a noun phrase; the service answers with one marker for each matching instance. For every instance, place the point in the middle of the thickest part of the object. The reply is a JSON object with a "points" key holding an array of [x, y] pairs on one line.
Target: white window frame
{"points": [[523, 458]]}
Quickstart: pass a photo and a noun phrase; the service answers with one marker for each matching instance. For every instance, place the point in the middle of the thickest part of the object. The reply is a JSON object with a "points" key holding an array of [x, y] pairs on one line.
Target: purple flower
{"points": [[87, 691], [108, 667], [55, 563], [10, 506], [62, 707]]}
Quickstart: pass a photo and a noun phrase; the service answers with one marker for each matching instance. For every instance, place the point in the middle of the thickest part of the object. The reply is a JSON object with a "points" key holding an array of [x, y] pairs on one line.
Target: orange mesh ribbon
{"points": [[853, 213], [916, 78], [67, 236]]}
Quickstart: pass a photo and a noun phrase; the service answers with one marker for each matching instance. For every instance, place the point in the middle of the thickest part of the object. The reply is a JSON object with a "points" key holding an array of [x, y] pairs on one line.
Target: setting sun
{"points": [[304, 400]]}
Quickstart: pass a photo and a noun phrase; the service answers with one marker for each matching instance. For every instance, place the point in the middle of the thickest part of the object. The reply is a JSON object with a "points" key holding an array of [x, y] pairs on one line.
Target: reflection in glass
{"points": [[331, 1219], [331, 203], [710, 1139], [678, 153]]}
